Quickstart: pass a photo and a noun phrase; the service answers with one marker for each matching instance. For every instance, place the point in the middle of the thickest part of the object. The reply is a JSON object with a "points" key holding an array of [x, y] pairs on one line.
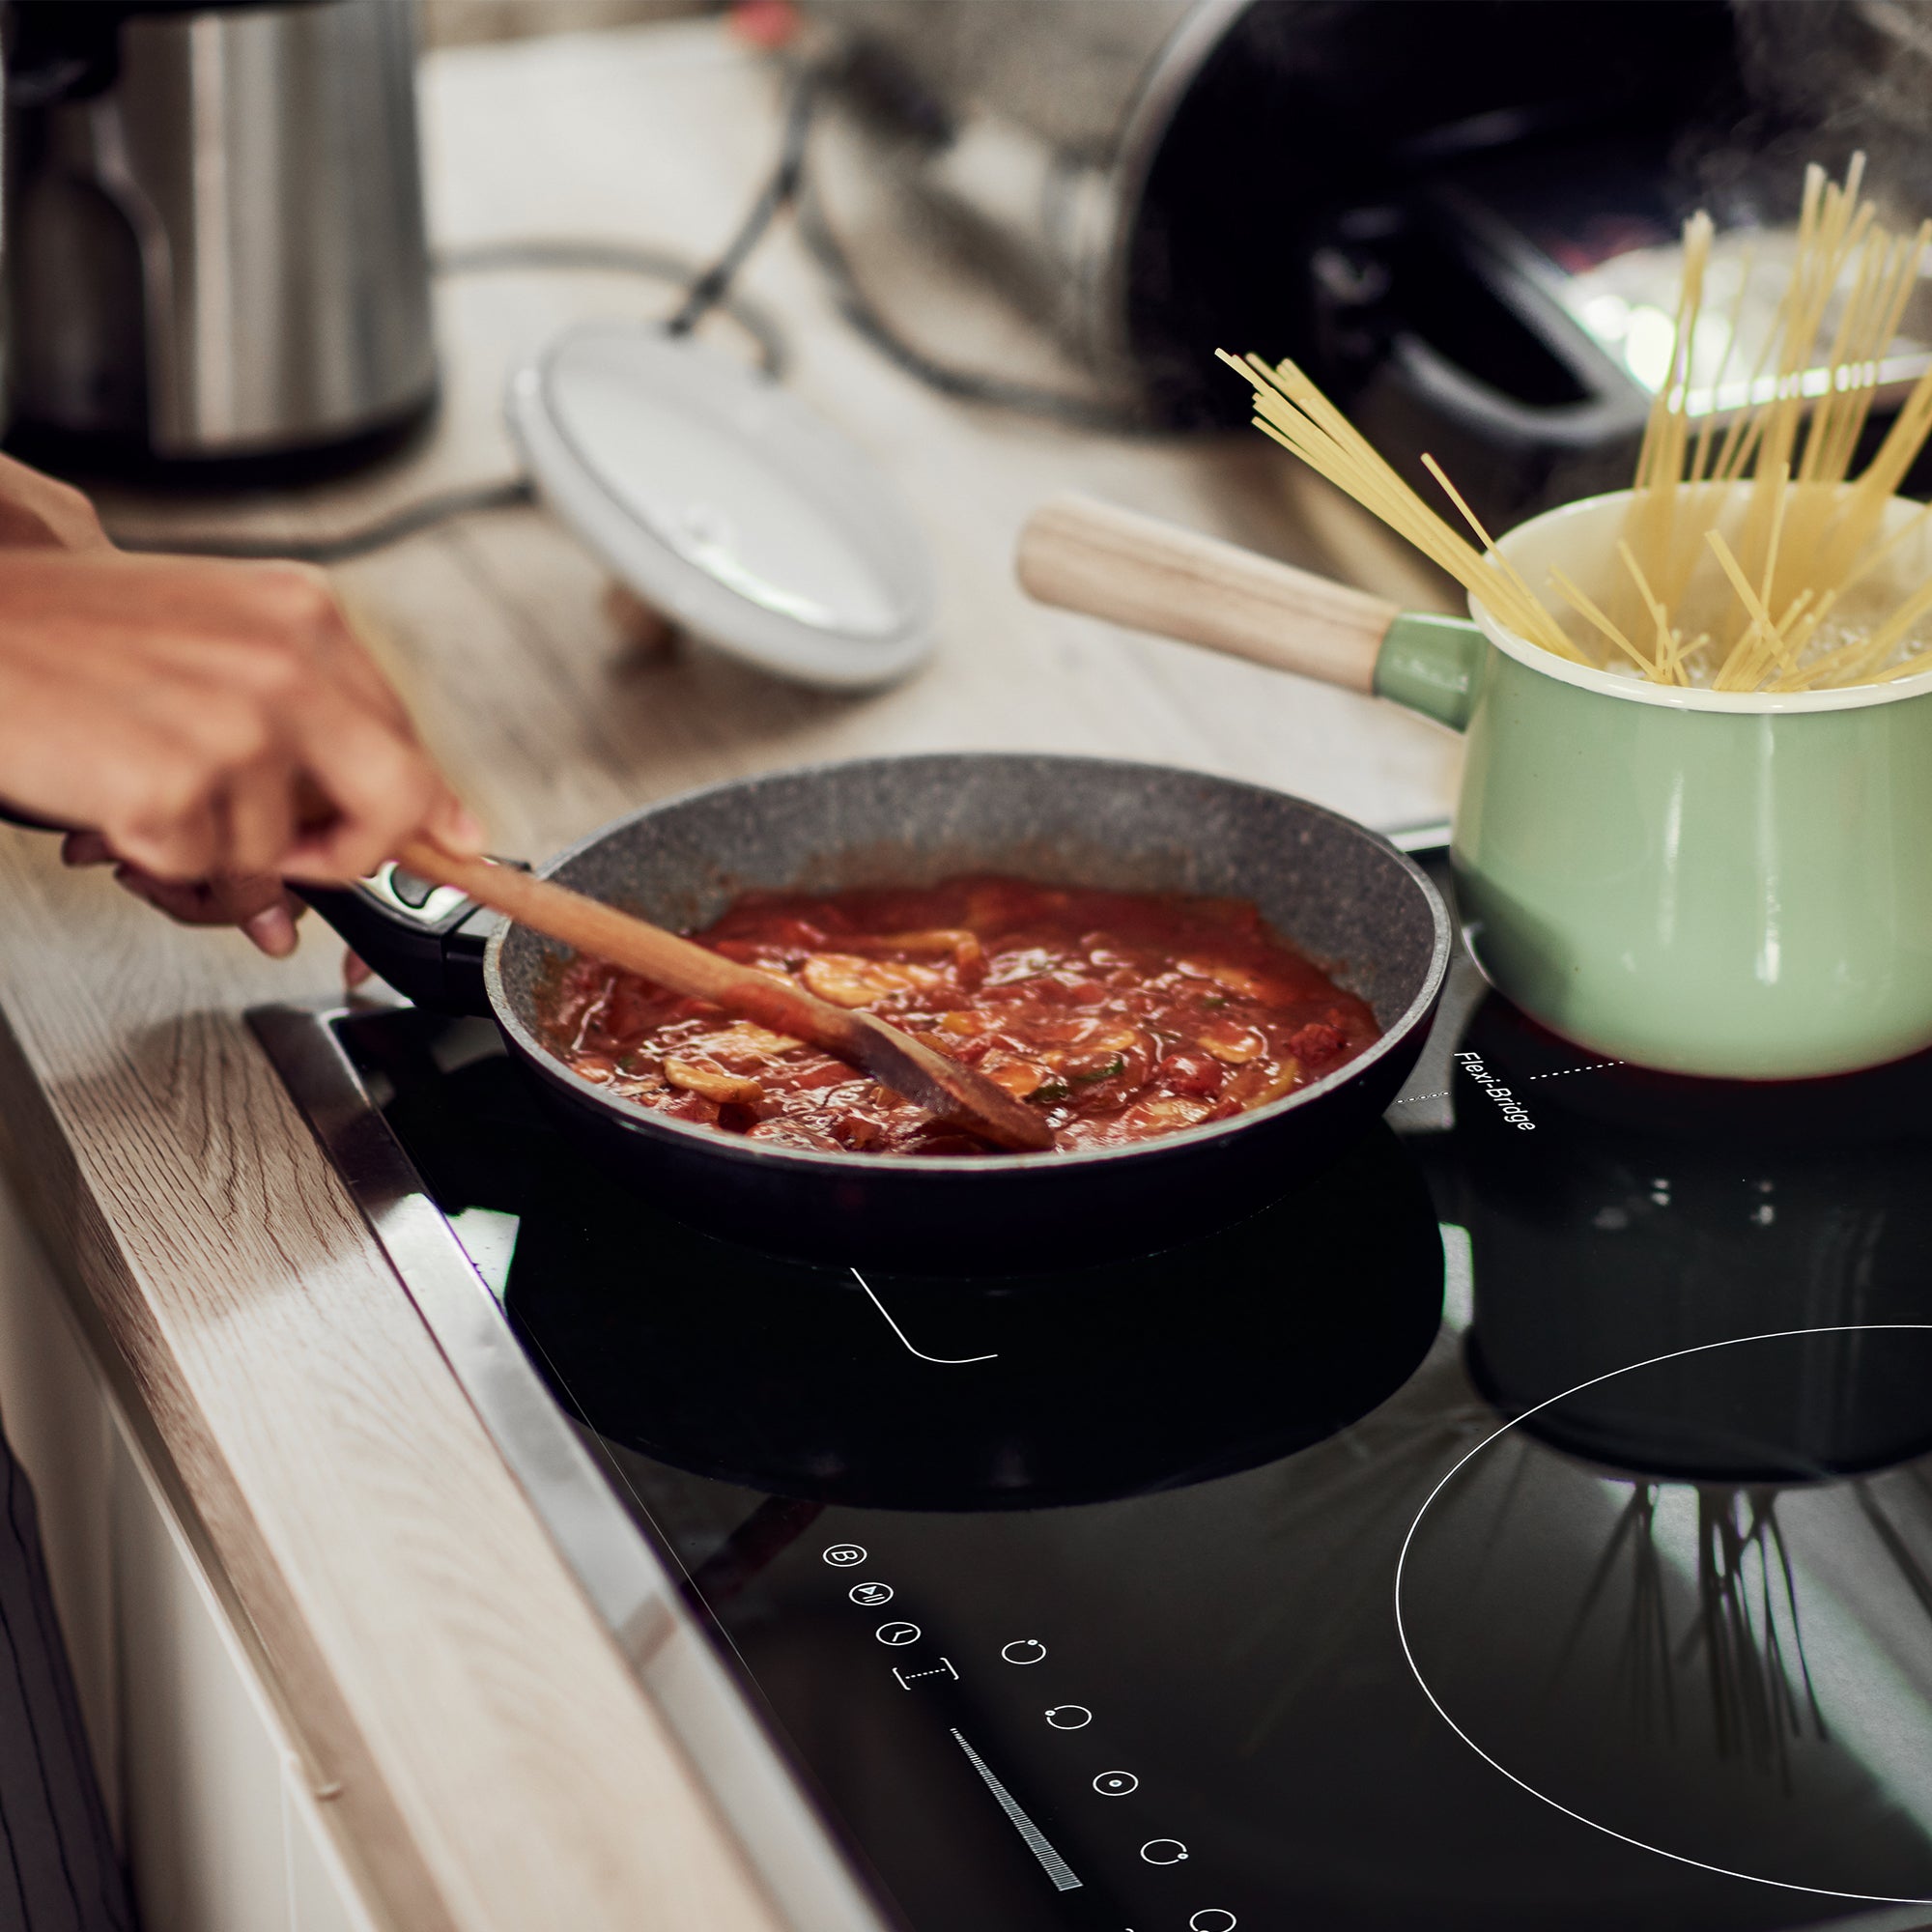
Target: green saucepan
{"points": [[1727, 884]]}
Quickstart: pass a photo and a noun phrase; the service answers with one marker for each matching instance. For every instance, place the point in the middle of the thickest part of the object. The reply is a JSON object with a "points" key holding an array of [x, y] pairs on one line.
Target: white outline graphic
{"points": [[1609, 1831], [942, 1361], [1054, 1866], [944, 1668]]}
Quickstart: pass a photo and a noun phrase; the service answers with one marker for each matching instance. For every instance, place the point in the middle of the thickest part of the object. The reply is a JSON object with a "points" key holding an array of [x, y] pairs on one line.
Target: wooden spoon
{"points": [[945, 1090]]}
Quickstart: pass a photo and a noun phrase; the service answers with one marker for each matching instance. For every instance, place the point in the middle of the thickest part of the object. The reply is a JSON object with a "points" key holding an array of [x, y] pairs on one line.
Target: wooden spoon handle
{"points": [[634, 944], [944, 1087], [1108, 562]]}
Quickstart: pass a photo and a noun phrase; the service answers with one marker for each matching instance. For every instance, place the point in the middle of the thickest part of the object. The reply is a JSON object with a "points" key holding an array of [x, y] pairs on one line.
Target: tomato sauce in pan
{"points": [[1119, 1015]]}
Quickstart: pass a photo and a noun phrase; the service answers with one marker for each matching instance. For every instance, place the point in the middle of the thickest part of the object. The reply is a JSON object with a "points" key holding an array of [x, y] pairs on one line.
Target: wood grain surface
{"points": [[1083, 554], [487, 1760]]}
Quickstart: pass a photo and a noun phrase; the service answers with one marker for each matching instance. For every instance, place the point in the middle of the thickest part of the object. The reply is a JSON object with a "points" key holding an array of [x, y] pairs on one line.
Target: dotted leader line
{"points": [[1562, 1072]]}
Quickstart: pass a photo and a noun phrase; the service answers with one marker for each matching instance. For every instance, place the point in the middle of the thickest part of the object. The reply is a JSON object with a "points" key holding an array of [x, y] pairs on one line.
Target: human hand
{"points": [[212, 721], [261, 906], [39, 513]]}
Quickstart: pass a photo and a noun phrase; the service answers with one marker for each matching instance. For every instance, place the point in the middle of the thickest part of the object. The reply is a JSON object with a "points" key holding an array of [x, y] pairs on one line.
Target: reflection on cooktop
{"points": [[1735, 1672], [938, 1392], [1644, 1214], [911, 1392]]}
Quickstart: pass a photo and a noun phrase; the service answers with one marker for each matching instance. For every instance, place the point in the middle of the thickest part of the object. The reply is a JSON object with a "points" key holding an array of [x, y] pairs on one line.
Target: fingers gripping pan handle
{"points": [[1108, 562], [426, 940]]}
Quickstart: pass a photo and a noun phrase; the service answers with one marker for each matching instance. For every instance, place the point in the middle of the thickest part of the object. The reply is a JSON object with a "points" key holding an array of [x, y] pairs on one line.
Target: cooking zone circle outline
{"points": [[1556, 1804]]}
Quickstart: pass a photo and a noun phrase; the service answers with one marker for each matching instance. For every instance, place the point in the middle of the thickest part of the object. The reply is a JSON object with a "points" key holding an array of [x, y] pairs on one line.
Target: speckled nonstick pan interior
{"points": [[1342, 895]]}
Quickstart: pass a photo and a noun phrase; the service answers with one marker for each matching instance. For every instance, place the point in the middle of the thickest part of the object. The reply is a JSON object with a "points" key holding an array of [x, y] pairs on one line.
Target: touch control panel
{"points": [[975, 1693]]}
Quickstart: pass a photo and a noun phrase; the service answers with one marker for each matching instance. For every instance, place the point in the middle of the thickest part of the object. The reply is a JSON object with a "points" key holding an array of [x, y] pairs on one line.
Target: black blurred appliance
{"points": [[1461, 215]]}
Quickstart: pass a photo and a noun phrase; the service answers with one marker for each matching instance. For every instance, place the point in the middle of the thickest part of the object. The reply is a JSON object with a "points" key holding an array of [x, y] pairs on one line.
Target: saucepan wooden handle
{"points": [[1108, 562]]}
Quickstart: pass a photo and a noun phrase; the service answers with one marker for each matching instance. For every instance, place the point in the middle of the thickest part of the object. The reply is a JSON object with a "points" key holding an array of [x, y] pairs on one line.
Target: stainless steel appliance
{"points": [[215, 236]]}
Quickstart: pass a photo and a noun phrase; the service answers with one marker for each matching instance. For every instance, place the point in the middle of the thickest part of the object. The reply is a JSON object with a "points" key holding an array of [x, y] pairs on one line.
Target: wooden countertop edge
{"points": [[368, 1830], [489, 1762]]}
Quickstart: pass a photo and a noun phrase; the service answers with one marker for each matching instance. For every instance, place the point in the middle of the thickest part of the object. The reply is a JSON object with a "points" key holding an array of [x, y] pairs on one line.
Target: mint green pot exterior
{"points": [[1747, 896], [1744, 893]]}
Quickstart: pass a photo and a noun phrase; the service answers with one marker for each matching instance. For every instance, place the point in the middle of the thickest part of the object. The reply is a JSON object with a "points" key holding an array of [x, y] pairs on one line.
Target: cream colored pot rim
{"points": [[1637, 689]]}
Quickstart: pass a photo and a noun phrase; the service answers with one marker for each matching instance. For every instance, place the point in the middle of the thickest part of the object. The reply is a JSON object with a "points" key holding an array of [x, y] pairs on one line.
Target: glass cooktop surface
{"points": [[1524, 1522]]}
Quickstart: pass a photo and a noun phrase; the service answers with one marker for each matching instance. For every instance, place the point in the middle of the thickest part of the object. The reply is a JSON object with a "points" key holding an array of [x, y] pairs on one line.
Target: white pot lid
{"points": [[725, 502]]}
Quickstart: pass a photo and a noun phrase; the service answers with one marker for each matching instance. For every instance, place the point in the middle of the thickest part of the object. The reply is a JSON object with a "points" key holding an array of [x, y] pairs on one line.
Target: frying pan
{"points": [[1337, 890], [1342, 895]]}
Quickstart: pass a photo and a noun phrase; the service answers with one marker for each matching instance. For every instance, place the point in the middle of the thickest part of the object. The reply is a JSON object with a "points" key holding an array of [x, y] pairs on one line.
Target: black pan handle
{"points": [[426, 940]]}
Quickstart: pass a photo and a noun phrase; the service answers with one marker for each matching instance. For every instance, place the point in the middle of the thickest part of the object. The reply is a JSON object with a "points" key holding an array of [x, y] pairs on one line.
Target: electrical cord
{"points": [[564, 254], [780, 192], [422, 515], [963, 385]]}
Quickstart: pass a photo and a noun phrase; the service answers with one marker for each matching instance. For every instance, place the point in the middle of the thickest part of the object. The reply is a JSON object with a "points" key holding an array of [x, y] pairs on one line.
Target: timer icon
{"points": [[1025, 1650], [1069, 1716]]}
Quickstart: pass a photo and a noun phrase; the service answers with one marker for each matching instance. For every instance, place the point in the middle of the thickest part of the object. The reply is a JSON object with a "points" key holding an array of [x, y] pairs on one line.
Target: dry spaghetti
{"points": [[1749, 559]]}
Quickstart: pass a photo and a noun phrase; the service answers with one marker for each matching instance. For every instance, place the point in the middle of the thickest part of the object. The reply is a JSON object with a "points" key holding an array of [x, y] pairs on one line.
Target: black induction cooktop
{"points": [[1524, 1525]]}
